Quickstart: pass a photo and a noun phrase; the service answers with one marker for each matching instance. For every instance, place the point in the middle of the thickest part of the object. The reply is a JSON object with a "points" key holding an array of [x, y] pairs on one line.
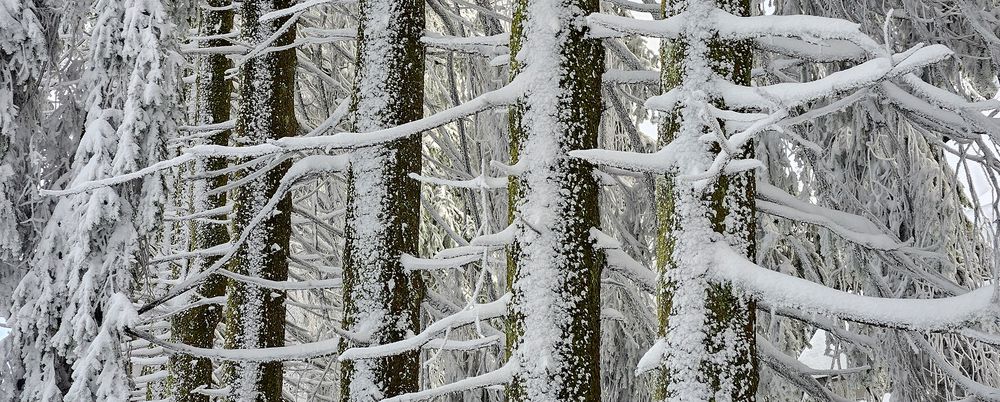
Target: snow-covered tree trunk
{"points": [[196, 326], [554, 269], [256, 315], [709, 330], [381, 299]]}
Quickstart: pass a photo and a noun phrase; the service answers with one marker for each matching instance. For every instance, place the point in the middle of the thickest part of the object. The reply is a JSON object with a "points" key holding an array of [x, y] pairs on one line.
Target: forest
{"points": [[500, 200]]}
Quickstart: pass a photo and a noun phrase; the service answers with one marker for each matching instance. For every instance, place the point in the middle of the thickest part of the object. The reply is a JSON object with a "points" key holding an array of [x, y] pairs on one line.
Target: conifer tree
{"points": [[381, 299], [255, 315], [553, 330], [197, 325], [23, 58], [74, 304], [729, 318]]}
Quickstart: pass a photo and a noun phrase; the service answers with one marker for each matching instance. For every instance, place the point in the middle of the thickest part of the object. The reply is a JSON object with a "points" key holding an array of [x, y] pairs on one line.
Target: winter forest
{"points": [[499, 200]]}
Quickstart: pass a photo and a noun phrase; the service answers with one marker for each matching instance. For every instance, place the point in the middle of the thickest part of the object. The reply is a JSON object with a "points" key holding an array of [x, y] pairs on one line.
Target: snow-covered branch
{"points": [[777, 289], [501, 376], [468, 316]]}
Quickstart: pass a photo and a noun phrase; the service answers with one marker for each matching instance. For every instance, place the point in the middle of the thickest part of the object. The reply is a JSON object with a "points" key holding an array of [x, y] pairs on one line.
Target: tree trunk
{"points": [[196, 326], [383, 202], [731, 371], [554, 270], [256, 316]]}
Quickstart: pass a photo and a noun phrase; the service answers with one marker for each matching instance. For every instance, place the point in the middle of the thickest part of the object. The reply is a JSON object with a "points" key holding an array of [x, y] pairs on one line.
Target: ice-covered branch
{"points": [[733, 27], [504, 96], [302, 168], [503, 375], [468, 316], [282, 353], [780, 290]]}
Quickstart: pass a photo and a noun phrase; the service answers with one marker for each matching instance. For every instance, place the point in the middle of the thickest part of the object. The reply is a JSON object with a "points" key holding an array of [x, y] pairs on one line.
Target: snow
{"points": [[780, 290]]}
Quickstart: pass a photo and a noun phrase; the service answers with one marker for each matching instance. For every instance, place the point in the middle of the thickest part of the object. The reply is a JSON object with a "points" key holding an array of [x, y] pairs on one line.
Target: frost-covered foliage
{"points": [[71, 307], [909, 188], [23, 59], [867, 238]]}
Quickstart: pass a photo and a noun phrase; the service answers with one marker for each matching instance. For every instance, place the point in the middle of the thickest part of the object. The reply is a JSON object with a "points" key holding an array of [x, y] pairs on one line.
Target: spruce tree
{"points": [[729, 319], [196, 326], [381, 299], [255, 315], [554, 270]]}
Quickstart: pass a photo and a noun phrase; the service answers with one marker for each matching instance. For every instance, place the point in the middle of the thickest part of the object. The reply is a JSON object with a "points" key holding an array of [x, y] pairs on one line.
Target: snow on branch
{"points": [[730, 26], [283, 285], [468, 316], [780, 290], [983, 392], [111, 181], [618, 260], [793, 94], [220, 300], [467, 345], [648, 77], [225, 125], [824, 52], [653, 9], [971, 113], [302, 168], [777, 98], [299, 8], [659, 161], [857, 229], [490, 46], [794, 371], [210, 213], [218, 249], [411, 263], [504, 96], [480, 182], [282, 353], [501, 376]]}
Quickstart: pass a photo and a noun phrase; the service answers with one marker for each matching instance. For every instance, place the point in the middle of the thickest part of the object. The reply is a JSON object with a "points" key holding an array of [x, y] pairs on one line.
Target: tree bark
{"points": [[196, 326], [553, 328], [383, 202], [256, 316]]}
